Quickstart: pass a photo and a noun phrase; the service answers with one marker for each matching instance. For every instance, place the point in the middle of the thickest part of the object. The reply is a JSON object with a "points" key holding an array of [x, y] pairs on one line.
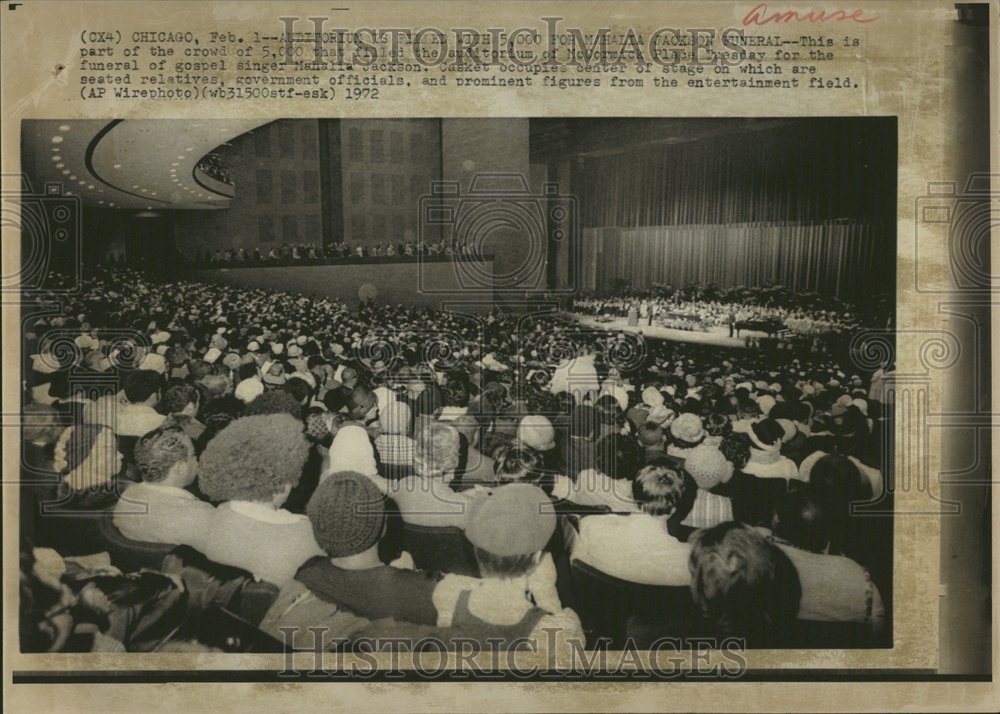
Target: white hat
{"points": [[766, 404], [160, 337], [249, 389], [253, 346], [154, 362], [651, 396], [212, 355], [277, 348]]}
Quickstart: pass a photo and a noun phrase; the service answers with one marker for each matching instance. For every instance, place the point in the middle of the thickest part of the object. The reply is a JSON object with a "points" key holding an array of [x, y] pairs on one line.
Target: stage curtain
{"points": [[831, 258]]}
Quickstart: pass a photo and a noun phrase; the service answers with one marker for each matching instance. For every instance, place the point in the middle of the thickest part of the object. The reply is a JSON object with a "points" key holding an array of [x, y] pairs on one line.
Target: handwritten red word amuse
{"points": [[759, 16]]}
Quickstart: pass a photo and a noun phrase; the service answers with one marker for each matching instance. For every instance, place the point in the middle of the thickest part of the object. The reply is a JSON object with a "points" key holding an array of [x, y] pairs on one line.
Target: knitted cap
{"points": [[517, 519], [347, 512], [536, 431], [707, 466]]}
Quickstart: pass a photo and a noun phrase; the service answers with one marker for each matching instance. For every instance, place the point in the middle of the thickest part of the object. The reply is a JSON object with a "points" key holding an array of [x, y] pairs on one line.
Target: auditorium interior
{"points": [[633, 369]]}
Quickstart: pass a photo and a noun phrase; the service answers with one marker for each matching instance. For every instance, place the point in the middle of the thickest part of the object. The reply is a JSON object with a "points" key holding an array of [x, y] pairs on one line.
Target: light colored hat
{"points": [[707, 466], [651, 396], [351, 450], [766, 404], [249, 389], [154, 362], [536, 431], [212, 355], [160, 337], [277, 348], [253, 346], [517, 519], [687, 427]]}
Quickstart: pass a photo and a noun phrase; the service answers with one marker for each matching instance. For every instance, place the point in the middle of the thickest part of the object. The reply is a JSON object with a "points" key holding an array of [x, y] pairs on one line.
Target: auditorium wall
{"points": [[386, 166], [276, 171]]}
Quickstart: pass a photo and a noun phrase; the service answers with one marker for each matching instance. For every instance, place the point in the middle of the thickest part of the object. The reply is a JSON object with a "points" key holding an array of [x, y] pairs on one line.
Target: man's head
{"points": [[143, 387], [181, 399], [166, 456]]}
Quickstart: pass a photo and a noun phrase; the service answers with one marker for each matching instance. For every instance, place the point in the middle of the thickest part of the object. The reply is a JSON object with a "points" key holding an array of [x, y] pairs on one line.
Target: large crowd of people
{"points": [[410, 472]]}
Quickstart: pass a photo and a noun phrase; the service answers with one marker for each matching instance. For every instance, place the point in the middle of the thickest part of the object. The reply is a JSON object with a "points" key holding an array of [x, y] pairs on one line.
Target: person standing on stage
{"points": [[731, 319]]}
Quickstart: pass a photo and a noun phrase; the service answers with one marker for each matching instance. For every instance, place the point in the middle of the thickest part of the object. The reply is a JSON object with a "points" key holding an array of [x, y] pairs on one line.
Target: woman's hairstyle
{"points": [[659, 487], [436, 450], [492, 565], [253, 458], [736, 448], [275, 401], [834, 484], [618, 456], [742, 583], [177, 397], [801, 521]]}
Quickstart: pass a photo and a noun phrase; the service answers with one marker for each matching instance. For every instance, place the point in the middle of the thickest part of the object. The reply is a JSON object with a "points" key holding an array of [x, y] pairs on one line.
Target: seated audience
{"points": [[161, 509], [251, 467]]}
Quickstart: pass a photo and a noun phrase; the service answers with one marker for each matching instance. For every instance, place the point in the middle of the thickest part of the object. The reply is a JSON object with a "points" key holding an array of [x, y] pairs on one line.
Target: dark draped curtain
{"points": [[830, 258], [807, 203]]}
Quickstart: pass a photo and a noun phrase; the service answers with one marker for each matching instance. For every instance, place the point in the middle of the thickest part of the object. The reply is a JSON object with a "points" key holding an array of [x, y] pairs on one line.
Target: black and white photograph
{"points": [[581, 383]]}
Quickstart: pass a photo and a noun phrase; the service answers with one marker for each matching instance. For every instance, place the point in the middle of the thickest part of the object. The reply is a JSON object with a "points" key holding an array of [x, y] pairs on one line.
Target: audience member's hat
{"points": [[212, 355], [154, 362], [661, 415], [352, 451], [273, 373], [650, 434], [302, 339], [277, 348], [45, 363], [305, 376], [687, 427], [861, 404], [766, 434], [249, 389], [294, 350], [707, 466], [517, 519], [651, 396], [536, 431], [395, 418], [160, 337], [232, 360], [788, 426], [337, 349], [253, 345], [347, 513], [766, 404]]}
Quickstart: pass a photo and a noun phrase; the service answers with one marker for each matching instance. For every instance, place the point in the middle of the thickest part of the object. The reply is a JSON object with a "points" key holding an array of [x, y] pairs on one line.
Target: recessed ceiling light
{"points": [[117, 166], [190, 148], [65, 172], [152, 193], [60, 165], [56, 157], [175, 164], [111, 204], [81, 182], [90, 186], [145, 190], [64, 127], [72, 177], [181, 156], [57, 139], [134, 186], [56, 148]]}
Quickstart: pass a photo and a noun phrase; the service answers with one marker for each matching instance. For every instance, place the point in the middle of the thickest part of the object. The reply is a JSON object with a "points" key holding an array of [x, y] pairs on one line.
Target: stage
{"points": [[717, 335]]}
